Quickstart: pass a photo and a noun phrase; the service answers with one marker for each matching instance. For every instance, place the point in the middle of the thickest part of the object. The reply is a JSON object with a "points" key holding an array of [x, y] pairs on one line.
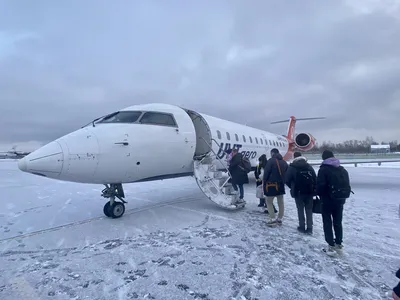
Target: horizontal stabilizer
{"points": [[300, 119]]}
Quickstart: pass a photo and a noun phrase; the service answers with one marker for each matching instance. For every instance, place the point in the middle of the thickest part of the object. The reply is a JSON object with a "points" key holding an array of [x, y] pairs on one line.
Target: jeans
{"points": [[241, 191], [332, 215], [305, 203]]}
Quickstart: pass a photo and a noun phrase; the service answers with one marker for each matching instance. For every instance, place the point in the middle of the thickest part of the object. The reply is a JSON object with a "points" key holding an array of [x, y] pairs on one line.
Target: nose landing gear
{"points": [[113, 208]]}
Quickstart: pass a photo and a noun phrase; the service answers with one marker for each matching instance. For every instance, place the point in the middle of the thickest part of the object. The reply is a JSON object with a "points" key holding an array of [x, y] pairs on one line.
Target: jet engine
{"points": [[304, 141]]}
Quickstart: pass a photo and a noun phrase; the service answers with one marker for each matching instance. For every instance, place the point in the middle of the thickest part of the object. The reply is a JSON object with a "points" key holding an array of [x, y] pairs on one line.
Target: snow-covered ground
{"points": [[173, 243]]}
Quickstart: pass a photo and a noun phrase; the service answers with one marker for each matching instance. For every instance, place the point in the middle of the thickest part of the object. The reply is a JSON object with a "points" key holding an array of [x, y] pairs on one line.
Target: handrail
{"points": [[216, 156]]}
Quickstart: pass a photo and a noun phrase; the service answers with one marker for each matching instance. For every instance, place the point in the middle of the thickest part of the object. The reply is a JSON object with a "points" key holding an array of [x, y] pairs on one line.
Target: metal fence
{"points": [[355, 156]]}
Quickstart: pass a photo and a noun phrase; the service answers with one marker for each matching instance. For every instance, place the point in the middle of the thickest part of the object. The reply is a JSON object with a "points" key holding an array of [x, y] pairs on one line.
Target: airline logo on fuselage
{"points": [[223, 147]]}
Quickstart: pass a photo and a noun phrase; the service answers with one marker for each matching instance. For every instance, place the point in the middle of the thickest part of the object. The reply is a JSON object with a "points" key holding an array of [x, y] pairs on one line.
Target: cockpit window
{"points": [[121, 117], [156, 118]]}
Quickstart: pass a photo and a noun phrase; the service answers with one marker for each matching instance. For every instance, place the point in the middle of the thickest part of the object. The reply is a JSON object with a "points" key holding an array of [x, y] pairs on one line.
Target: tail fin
{"points": [[292, 125]]}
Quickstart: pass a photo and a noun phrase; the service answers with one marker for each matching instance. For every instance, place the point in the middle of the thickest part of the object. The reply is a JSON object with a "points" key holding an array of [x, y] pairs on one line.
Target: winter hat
{"points": [[262, 157], [296, 154], [327, 154], [274, 151]]}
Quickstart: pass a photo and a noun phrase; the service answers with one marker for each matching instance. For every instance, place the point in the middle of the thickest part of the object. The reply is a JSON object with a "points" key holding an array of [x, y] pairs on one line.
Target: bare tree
{"points": [[354, 146]]}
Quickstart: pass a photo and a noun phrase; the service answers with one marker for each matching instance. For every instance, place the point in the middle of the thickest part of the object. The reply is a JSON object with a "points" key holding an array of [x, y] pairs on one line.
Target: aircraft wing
{"points": [[357, 161]]}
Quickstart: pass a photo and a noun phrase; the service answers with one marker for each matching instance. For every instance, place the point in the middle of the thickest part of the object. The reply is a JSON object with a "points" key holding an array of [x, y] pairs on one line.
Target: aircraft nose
{"points": [[22, 165], [46, 161]]}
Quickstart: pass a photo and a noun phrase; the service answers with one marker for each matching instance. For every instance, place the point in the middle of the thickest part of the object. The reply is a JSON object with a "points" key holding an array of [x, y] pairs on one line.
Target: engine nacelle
{"points": [[304, 141]]}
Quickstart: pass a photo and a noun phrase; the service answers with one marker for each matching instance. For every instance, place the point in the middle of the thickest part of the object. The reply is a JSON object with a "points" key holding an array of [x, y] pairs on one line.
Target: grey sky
{"points": [[64, 63]]}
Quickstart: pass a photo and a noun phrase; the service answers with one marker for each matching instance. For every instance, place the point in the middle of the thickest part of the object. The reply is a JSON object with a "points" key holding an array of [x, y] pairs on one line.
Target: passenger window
{"points": [[261, 142], [122, 117], [156, 118], [219, 134], [270, 143], [244, 139], [274, 143], [256, 140], [250, 139], [236, 137], [228, 136]]}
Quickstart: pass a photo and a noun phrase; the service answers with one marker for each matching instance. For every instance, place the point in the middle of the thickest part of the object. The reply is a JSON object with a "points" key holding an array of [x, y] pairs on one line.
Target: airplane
{"points": [[14, 153], [157, 141]]}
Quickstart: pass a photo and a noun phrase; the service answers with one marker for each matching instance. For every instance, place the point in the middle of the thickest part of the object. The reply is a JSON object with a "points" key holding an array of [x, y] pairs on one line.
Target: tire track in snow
{"points": [[89, 220]]}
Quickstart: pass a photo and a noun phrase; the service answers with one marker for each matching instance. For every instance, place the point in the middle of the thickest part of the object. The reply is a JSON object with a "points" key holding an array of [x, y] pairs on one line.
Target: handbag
{"points": [[275, 185], [317, 206], [259, 192]]}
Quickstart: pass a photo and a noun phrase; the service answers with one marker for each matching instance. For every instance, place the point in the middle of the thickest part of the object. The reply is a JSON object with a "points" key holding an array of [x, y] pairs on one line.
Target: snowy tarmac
{"points": [[173, 243]]}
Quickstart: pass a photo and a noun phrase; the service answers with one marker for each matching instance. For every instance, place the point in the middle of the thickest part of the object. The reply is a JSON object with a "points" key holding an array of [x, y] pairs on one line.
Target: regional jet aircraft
{"points": [[158, 141]]}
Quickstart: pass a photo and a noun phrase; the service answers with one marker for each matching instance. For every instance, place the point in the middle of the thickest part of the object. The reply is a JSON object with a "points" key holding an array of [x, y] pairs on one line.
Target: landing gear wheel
{"points": [[107, 209], [117, 210], [114, 209]]}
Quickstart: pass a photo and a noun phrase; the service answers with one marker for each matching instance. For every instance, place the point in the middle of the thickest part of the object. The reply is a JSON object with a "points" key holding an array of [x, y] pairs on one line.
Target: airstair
{"points": [[212, 177]]}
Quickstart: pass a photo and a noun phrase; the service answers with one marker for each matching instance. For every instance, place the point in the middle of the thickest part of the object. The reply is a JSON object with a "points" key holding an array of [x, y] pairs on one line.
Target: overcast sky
{"points": [[64, 63]]}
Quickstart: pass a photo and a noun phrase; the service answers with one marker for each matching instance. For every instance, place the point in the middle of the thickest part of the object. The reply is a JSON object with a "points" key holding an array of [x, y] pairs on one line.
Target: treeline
{"points": [[354, 146]]}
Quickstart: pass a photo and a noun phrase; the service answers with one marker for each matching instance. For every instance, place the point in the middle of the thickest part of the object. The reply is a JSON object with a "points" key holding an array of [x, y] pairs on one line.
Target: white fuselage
{"points": [[141, 151]]}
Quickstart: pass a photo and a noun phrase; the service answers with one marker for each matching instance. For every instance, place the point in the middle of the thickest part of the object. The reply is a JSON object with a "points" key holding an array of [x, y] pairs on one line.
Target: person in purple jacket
{"points": [[396, 289], [333, 188]]}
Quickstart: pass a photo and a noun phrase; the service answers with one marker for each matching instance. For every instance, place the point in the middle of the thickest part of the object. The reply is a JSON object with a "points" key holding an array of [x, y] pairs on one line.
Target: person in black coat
{"points": [[303, 194], [238, 174], [332, 209], [396, 289], [258, 174], [274, 185]]}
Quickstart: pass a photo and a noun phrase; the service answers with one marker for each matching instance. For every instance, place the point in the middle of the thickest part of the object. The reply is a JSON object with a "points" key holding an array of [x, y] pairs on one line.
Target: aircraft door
{"points": [[116, 159], [167, 144], [124, 146], [187, 138]]}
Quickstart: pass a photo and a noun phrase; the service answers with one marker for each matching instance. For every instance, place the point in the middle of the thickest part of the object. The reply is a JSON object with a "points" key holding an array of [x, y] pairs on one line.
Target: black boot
{"points": [[262, 202], [301, 229], [266, 209]]}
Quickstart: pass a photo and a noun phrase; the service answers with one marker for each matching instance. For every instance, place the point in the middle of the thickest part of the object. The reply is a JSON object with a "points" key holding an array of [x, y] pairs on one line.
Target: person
{"points": [[228, 156], [396, 289], [238, 174], [274, 185], [258, 174], [301, 179], [333, 187]]}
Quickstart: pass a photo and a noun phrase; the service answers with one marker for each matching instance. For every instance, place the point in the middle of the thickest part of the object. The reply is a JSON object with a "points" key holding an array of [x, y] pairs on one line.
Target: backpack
{"points": [[246, 164], [339, 184], [304, 182]]}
